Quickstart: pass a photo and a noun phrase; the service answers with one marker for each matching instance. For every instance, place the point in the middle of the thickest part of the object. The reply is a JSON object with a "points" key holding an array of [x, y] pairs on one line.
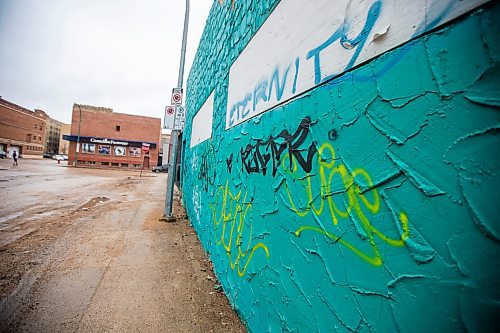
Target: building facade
{"points": [[64, 144], [101, 138], [22, 130], [339, 163], [52, 136], [164, 148]]}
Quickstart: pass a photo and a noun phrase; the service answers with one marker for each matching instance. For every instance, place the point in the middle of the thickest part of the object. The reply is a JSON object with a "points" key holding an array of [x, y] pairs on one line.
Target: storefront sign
{"points": [[106, 141], [109, 141]]}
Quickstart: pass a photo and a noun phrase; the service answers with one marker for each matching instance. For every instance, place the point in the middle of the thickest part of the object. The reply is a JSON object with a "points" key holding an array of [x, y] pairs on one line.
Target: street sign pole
{"points": [[174, 139]]}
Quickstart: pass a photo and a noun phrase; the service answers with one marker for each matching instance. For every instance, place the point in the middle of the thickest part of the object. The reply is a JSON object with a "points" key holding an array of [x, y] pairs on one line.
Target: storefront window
{"points": [[104, 150], [119, 151], [88, 148], [134, 152]]}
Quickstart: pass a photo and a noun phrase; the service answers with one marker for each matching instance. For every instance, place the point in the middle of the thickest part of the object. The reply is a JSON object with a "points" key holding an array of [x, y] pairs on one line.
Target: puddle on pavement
{"points": [[10, 217], [93, 202], [40, 215]]}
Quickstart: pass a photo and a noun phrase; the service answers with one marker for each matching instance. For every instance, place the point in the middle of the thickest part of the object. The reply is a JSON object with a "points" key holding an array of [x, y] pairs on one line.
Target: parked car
{"points": [[47, 155], [58, 157], [3, 154], [65, 157], [160, 168]]}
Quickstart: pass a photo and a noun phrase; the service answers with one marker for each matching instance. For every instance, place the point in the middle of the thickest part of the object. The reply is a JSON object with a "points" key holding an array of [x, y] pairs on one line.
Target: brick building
{"points": [[21, 130], [106, 139], [52, 136], [164, 148], [64, 144]]}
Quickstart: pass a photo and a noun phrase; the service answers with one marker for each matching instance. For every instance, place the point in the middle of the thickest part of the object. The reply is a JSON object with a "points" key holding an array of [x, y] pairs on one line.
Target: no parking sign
{"points": [[176, 96], [168, 120]]}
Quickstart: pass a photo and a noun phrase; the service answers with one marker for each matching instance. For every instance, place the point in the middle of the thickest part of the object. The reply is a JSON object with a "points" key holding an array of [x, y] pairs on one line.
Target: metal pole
{"points": [[75, 162], [183, 47], [174, 138]]}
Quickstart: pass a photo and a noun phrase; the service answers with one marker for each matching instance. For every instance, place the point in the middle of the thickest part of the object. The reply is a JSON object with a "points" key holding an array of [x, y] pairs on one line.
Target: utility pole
{"points": [[75, 162], [174, 138]]}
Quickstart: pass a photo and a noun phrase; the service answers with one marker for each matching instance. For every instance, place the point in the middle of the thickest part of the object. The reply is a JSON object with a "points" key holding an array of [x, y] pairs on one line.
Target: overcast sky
{"points": [[121, 54]]}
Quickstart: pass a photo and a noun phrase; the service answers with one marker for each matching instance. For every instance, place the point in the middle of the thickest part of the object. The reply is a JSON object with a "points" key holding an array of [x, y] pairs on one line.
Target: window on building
{"points": [[104, 150], [28, 137], [137, 165], [88, 148], [81, 162], [124, 165], [91, 162], [134, 152], [118, 128], [119, 151], [105, 163], [115, 164]]}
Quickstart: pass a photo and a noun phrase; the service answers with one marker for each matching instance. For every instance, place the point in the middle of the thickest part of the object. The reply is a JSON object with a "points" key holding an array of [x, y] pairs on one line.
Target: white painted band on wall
{"points": [[202, 122], [306, 42]]}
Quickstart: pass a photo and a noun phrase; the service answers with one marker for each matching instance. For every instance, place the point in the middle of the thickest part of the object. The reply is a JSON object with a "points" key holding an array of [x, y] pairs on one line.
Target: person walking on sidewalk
{"points": [[14, 157]]}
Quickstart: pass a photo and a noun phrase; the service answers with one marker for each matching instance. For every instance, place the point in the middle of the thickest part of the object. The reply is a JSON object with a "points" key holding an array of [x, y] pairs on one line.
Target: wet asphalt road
{"points": [[83, 251]]}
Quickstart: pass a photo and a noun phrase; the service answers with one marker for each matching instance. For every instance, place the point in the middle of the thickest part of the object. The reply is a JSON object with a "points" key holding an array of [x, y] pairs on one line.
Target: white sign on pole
{"points": [[177, 97], [180, 118], [168, 120]]}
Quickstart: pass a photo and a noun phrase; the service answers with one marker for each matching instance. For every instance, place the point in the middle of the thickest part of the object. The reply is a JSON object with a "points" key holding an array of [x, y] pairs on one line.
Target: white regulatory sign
{"points": [[168, 119], [180, 118], [177, 97]]}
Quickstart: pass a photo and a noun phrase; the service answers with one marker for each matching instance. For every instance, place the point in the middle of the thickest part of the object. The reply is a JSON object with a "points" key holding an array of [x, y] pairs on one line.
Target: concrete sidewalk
{"points": [[114, 267]]}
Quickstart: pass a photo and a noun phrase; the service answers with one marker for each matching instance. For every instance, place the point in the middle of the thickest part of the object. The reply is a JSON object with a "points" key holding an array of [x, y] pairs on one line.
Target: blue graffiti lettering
{"points": [[259, 93], [243, 104], [231, 114], [240, 110], [297, 63], [276, 80], [346, 43], [263, 91]]}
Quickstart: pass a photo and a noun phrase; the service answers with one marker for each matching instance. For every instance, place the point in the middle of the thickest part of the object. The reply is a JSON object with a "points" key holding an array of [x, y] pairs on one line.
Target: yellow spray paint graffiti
{"points": [[327, 170], [232, 222]]}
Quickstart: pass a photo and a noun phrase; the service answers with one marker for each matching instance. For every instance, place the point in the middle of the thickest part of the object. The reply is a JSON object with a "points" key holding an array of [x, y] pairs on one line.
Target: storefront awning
{"points": [[108, 141]]}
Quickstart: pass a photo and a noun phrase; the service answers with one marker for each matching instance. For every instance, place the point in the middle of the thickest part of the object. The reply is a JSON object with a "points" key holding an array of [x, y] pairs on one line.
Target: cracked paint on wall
{"points": [[368, 203]]}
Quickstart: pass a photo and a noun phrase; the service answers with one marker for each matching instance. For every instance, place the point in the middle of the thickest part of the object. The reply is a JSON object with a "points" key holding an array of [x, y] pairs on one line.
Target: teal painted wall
{"points": [[380, 212]]}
